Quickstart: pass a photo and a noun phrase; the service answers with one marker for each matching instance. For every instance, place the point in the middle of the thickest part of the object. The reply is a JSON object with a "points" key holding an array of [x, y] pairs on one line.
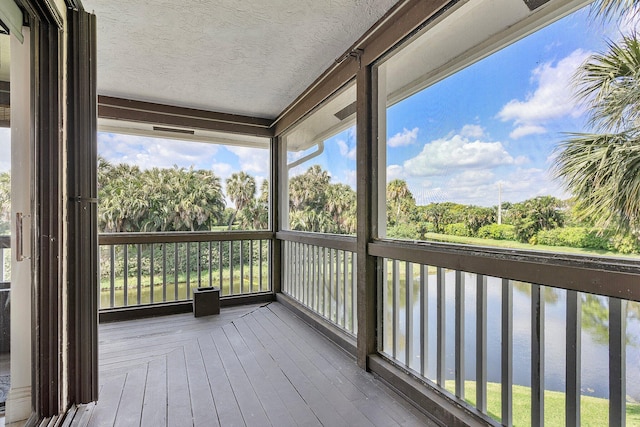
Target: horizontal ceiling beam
{"points": [[401, 21], [128, 110]]}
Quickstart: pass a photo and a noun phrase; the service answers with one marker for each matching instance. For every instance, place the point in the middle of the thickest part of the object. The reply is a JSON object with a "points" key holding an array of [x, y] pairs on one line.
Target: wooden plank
{"points": [[202, 404], [318, 403], [223, 396], [364, 381], [296, 406], [130, 408], [252, 411], [275, 408], [318, 375], [178, 402], [154, 407], [106, 409]]}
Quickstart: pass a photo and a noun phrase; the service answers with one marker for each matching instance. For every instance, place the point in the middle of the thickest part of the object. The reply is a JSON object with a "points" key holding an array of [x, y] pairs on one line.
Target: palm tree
{"points": [[602, 169], [241, 189]]}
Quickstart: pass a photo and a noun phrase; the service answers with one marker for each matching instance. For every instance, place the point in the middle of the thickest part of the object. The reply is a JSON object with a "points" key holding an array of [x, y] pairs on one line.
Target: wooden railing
{"points": [[447, 310], [319, 271], [152, 268]]}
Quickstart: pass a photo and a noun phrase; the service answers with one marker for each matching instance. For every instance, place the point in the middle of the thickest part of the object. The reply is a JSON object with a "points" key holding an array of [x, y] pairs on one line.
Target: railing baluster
{"points": [[617, 361], [251, 266], [345, 275], [459, 334], [384, 333], [481, 342], [241, 266], [198, 266], [220, 275], [231, 292], [337, 289], [139, 274], [316, 263], [537, 355], [125, 300], [408, 311], [188, 270], [573, 359], [260, 263], [176, 272], [331, 278], [307, 275], [424, 319], [164, 272], [354, 294], [112, 276], [441, 333], [395, 274], [151, 267], [325, 285], [507, 353], [210, 265]]}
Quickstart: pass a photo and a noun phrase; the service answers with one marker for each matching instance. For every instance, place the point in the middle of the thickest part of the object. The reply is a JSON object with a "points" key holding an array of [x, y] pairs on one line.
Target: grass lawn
{"points": [[512, 244], [594, 411]]}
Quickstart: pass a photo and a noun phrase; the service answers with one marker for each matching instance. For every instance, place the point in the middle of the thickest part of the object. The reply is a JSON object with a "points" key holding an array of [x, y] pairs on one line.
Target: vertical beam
{"points": [[507, 353], [367, 149], [617, 362], [481, 343], [573, 359], [82, 189], [424, 319], [442, 328], [277, 169], [408, 311], [537, 355], [459, 334]]}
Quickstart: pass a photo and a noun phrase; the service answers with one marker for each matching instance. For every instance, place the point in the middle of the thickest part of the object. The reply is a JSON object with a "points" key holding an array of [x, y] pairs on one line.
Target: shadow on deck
{"points": [[251, 365]]}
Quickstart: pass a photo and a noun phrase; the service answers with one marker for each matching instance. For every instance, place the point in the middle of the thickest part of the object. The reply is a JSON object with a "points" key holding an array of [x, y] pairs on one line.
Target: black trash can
{"points": [[206, 301]]}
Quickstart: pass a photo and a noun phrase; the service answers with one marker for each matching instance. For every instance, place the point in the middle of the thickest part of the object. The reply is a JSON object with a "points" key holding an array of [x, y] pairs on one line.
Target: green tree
{"points": [[538, 213], [401, 206], [241, 189], [602, 168]]}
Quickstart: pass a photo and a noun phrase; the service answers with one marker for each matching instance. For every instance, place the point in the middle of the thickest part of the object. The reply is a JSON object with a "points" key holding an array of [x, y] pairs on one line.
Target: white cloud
{"points": [[444, 155], [551, 99], [154, 152], [345, 151], [404, 138], [472, 131], [395, 172], [252, 160], [524, 130], [222, 170]]}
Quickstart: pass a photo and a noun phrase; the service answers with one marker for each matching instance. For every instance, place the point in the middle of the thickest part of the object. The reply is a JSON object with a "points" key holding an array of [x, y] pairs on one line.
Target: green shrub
{"points": [[624, 244], [497, 232], [457, 229], [403, 231], [575, 237]]}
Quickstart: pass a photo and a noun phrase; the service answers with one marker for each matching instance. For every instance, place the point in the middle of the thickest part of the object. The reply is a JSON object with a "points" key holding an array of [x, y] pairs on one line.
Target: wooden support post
{"points": [[367, 214]]}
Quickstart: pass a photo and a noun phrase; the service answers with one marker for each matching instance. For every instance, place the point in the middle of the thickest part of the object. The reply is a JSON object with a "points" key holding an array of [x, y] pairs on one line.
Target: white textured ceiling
{"points": [[251, 57]]}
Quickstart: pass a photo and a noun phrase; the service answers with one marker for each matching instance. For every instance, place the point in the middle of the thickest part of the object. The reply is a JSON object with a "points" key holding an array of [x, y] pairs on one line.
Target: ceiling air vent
{"points": [[346, 112], [174, 130]]}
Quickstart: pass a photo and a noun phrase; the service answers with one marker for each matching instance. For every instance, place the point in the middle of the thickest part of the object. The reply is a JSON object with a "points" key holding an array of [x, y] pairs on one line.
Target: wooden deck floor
{"points": [[251, 365]]}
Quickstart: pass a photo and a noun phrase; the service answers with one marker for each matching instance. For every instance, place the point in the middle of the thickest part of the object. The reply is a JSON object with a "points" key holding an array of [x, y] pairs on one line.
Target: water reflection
{"points": [[595, 334]]}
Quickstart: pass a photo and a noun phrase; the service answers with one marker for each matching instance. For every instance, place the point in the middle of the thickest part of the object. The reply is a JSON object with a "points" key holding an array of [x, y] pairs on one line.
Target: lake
{"points": [[595, 357]]}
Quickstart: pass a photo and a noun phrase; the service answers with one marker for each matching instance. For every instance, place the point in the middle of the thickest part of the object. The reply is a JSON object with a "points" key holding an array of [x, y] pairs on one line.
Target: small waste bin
{"points": [[206, 301]]}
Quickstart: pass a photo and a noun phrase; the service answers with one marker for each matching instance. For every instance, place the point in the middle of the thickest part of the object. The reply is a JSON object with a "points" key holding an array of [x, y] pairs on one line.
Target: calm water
{"points": [[595, 358]]}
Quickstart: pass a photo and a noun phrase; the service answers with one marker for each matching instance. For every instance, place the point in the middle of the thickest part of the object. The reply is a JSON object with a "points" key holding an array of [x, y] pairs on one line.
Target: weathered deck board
{"points": [[249, 366]]}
